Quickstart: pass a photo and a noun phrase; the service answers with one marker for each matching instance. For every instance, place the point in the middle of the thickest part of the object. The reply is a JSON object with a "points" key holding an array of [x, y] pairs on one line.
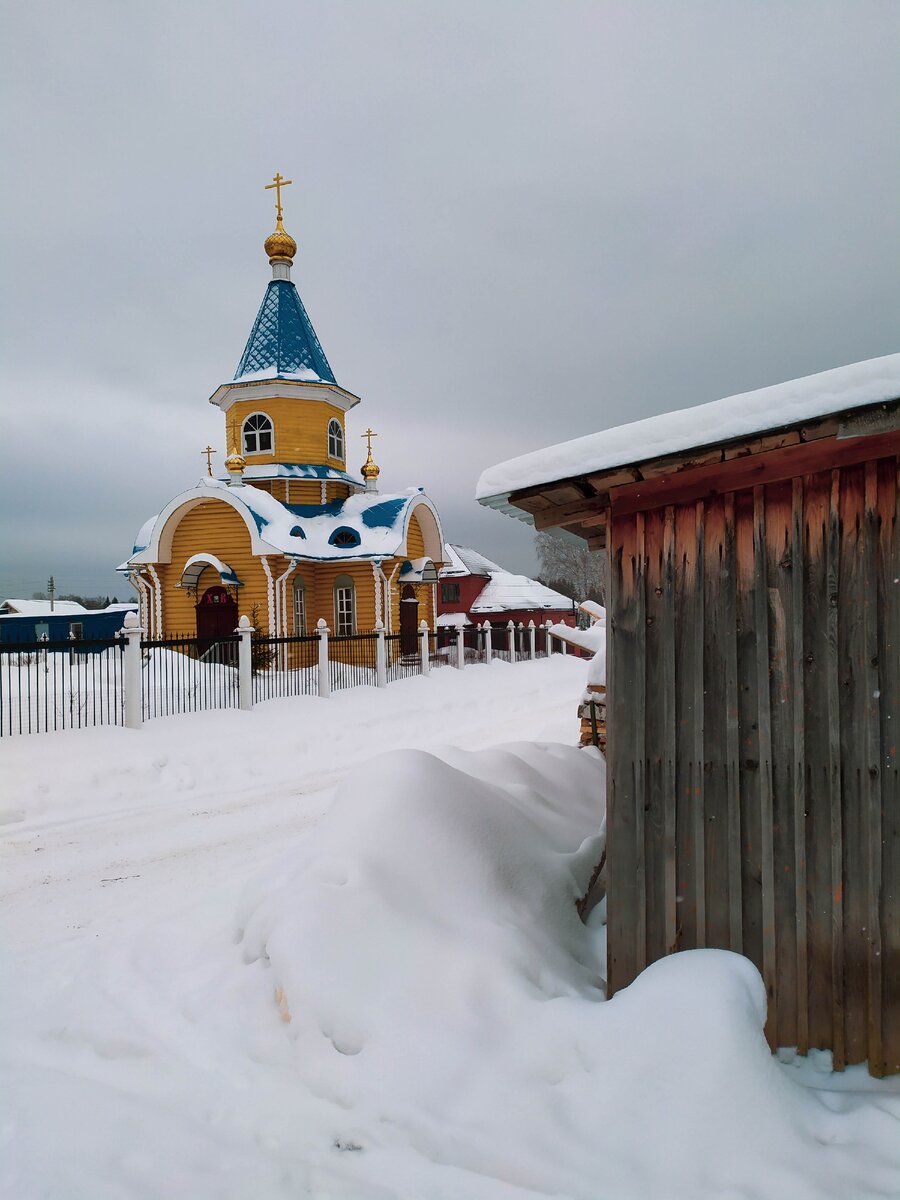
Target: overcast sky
{"points": [[518, 223]]}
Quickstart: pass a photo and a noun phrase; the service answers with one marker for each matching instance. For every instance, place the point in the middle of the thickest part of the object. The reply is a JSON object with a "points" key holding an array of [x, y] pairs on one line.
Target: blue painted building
{"points": [[67, 622]]}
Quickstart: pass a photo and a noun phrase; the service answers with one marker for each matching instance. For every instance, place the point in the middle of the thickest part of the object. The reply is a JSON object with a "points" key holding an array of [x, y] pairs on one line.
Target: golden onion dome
{"points": [[235, 462], [369, 469], [280, 246]]}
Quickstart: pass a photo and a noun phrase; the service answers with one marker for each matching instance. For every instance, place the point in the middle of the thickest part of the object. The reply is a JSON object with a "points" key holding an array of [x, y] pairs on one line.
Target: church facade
{"points": [[291, 536]]}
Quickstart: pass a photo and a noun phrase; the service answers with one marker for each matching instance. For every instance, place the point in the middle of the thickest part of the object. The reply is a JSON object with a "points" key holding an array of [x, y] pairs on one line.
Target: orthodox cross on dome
{"points": [[209, 452], [370, 470], [278, 182]]}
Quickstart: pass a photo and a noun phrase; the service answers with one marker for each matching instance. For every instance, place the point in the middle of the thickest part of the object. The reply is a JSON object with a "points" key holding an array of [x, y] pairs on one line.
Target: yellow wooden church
{"points": [[290, 534]]}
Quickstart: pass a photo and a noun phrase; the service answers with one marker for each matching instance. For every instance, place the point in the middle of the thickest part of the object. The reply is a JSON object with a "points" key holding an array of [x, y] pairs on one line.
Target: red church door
{"points": [[217, 617], [409, 620]]}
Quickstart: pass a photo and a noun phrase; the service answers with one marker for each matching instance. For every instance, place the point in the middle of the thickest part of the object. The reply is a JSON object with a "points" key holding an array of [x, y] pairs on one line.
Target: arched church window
{"points": [[257, 432], [335, 440], [344, 606], [299, 607]]}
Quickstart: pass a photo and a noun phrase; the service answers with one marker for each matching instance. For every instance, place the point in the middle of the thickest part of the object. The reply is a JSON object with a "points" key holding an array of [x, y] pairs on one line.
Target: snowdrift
{"points": [[441, 991]]}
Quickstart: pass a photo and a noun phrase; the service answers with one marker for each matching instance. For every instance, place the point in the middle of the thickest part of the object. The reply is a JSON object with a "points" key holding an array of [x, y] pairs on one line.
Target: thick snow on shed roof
{"points": [[815, 396], [506, 593]]}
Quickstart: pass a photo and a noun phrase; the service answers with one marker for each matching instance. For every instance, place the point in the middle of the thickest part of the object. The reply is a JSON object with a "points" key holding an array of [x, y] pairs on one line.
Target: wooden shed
{"points": [[754, 689]]}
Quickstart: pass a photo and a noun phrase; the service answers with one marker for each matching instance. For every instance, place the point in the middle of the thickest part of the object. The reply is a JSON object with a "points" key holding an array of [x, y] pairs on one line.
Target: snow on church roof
{"points": [[365, 525], [870, 382], [282, 342]]}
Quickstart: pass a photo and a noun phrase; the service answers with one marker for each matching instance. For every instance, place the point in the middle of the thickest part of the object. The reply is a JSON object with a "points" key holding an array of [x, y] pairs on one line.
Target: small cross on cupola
{"points": [[370, 471], [280, 246]]}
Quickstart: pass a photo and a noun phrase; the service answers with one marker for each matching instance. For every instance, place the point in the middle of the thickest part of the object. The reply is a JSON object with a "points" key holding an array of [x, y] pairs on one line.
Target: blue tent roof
{"points": [[282, 340]]}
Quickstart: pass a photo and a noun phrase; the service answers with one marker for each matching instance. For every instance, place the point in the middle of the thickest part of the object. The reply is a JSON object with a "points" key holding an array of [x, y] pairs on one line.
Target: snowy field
{"points": [[330, 949]]}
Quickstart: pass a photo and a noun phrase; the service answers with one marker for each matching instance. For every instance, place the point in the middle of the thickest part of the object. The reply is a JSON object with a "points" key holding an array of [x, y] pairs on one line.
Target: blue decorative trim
{"points": [[383, 515]]}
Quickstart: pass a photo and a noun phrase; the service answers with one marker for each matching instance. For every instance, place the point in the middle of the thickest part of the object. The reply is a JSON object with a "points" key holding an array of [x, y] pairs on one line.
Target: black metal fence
{"points": [[287, 666], [64, 684], [402, 656], [440, 652], [185, 674], [351, 660]]}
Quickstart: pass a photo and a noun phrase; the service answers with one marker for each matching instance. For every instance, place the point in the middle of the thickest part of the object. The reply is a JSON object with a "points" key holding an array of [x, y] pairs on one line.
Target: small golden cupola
{"points": [[370, 470], [235, 463]]}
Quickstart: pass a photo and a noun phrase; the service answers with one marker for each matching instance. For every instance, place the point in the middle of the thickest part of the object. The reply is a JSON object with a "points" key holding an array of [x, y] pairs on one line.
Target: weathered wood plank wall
{"points": [[754, 799]]}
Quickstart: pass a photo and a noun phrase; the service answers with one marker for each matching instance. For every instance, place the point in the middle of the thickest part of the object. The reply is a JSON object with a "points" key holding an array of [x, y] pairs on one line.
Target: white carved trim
{"points": [[270, 594], [158, 588]]}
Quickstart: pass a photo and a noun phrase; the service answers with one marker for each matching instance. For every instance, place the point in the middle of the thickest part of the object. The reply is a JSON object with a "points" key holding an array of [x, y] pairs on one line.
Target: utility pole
{"points": [[51, 590]]}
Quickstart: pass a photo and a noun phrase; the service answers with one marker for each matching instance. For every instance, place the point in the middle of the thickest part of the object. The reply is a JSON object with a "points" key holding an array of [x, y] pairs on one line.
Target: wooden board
{"points": [[754, 721]]}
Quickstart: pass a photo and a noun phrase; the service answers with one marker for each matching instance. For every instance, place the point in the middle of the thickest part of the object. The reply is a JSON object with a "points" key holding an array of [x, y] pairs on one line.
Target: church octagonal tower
{"points": [[290, 536], [284, 408]]}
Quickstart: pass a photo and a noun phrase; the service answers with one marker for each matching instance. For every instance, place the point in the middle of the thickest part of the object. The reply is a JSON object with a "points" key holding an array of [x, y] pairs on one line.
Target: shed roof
{"points": [[768, 409]]}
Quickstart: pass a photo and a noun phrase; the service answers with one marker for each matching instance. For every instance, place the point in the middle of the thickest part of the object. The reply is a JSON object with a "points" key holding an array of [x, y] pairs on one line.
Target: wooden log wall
{"points": [[754, 718]]}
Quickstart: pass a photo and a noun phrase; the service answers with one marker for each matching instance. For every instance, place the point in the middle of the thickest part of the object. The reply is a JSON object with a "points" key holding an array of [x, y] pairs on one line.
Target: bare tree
{"points": [[570, 567]]}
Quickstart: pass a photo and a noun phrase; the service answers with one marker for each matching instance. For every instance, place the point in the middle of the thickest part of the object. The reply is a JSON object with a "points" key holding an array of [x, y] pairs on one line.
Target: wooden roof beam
{"points": [[563, 515]]}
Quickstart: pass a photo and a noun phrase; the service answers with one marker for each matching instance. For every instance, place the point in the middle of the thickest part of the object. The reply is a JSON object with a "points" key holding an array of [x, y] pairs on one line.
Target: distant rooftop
{"points": [[40, 608]]}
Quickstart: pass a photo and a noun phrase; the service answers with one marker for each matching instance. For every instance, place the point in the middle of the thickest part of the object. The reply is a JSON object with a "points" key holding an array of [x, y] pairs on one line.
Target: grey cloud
{"points": [[518, 222]]}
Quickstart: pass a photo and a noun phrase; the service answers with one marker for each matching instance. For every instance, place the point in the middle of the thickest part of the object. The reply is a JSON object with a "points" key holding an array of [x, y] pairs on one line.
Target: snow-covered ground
{"points": [[329, 948]]}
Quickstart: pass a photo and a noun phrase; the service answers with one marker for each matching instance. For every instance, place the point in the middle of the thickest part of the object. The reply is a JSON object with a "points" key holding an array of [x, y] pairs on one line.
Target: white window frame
{"points": [[299, 607], [254, 433], [344, 606], [335, 440]]}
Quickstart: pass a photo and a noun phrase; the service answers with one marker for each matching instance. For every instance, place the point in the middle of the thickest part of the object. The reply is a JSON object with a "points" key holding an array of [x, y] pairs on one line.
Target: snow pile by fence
{"points": [[442, 993]]}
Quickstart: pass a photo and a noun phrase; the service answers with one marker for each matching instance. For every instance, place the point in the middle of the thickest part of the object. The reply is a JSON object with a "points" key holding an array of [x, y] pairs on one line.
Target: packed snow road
{"points": [[95, 821]]}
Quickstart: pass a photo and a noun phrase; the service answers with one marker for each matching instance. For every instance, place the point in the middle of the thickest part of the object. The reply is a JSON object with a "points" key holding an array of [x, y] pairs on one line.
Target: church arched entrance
{"points": [[217, 617], [409, 619]]}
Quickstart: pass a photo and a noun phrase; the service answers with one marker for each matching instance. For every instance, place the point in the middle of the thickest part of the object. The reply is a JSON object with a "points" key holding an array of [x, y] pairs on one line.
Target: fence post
{"points": [[511, 639], [324, 677], [532, 652], [245, 663], [548, 644], [488, 652], [380, 656], [460, 647], [564, 645], [423, 648], [131, 670]]}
